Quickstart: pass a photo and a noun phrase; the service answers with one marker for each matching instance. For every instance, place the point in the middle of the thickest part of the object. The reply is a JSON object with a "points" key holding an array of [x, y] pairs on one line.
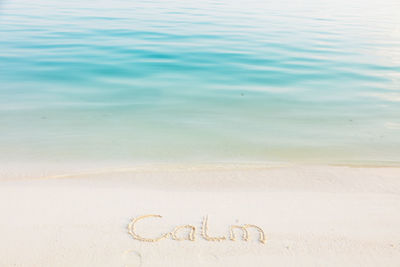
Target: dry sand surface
{"points": [[311, 215]]}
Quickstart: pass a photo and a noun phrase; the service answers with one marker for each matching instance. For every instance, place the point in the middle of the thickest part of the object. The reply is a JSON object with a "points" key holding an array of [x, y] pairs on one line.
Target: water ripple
{"points": [[208, 80]]}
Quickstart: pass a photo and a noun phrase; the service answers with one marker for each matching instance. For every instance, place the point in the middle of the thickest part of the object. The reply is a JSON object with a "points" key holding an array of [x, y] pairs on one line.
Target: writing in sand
{"points": [[179, 232]]}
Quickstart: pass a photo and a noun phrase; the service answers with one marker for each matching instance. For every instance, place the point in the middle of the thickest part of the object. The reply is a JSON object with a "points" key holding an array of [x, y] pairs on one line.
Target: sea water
{"points": [[200, 80]]}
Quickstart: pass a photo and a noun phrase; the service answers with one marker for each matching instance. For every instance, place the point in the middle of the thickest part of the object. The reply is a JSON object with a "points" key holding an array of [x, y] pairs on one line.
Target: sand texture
{"points": [[310, 216]]}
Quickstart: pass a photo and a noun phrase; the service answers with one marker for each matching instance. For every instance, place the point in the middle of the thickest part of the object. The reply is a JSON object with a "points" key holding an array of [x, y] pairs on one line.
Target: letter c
{"points": [[132, 230]]}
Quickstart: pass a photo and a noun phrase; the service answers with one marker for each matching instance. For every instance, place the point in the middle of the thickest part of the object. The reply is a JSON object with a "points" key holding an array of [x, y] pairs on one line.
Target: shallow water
{"points": [[306, 81]]}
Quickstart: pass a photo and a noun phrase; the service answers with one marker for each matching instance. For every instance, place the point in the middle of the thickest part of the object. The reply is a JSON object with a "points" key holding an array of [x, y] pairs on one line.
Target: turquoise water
{"points": [[301, 81]]}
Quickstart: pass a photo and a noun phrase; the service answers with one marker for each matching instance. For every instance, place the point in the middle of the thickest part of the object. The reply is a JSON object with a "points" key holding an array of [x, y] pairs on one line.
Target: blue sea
{"points": [[314, 81]]}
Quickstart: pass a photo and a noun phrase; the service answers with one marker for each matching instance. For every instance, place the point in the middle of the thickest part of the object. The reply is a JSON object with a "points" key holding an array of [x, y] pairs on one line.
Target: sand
{"points": [[311, 215]]}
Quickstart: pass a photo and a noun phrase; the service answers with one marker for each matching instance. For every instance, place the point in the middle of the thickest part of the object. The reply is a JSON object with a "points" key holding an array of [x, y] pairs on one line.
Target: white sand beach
{"points": [[311, 215], [192, 133]]}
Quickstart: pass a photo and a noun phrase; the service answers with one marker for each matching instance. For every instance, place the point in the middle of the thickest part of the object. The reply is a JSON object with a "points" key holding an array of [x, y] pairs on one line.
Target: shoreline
{"points": [[53, 170]]}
